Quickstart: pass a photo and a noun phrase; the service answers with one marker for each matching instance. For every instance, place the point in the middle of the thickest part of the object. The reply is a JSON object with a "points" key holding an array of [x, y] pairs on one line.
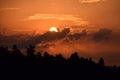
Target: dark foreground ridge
{"points": [[14, 64]]}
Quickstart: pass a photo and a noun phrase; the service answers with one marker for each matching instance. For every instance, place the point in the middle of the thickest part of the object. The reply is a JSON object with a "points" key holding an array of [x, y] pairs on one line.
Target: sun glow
{"points": [[53, 29]]}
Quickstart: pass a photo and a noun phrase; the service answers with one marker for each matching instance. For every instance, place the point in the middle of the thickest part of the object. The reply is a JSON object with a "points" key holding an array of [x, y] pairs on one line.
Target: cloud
{"points": [[48, 36], [90, 1], [99, 36], [9, 9], [61, 17], [77, 36], [102, 34], [65, 35], [34, 40]]}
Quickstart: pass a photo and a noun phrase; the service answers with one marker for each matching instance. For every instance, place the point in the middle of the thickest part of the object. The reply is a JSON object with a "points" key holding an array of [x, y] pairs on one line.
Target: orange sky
{"points": [[28, 16], [40, 15]]}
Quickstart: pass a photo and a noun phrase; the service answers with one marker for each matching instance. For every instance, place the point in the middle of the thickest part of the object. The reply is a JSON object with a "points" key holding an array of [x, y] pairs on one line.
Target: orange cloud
{"points": [[90, 1], [61, 17], [10, 9]]}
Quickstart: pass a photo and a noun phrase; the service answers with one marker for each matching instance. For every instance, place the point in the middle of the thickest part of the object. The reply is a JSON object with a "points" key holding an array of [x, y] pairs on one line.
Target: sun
{"points": [[53, 29]]}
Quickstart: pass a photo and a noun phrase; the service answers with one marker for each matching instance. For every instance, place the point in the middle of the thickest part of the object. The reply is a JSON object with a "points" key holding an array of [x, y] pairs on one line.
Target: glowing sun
{"points": [[53, 29]]}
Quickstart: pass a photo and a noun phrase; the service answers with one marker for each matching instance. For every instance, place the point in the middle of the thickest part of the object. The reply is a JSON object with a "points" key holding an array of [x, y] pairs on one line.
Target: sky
{"points": [[74, 19], [40, 15]]}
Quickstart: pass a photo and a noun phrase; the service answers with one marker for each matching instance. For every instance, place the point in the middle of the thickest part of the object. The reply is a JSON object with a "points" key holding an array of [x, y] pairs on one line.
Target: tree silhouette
{"points": [[101, 62], [74, 66], [74, 58], [30, 51]]}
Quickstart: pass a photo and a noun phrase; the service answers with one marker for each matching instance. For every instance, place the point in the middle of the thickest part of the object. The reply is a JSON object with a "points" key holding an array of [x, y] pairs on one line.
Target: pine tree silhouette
{"points": [[101, 62], [74, 66]]}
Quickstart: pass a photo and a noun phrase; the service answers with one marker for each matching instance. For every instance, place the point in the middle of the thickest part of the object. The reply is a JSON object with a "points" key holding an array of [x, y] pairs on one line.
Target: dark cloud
{"points": [[77, 36], [48, 36], [102, 34]]}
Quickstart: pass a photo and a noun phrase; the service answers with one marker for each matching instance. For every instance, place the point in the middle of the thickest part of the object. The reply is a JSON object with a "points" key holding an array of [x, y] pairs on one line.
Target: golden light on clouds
{"points": [[41, 14], [9, 9], [53, 16], [90, 1], [61, 17]]}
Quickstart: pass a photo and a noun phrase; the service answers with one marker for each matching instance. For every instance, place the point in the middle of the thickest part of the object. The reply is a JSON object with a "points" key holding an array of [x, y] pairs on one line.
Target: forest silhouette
{"points": [[48, 65]]}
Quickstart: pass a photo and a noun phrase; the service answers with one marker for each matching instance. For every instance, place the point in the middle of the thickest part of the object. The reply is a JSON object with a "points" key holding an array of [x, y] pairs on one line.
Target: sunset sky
{"points": [[65, 16], [40, 15]]}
